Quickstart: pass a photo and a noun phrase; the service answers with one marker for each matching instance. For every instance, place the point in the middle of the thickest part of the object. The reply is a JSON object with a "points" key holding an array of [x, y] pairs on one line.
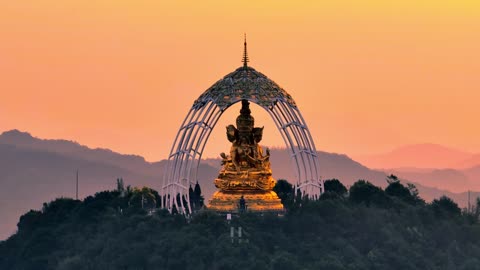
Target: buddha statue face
{"points": [[245, 123]]}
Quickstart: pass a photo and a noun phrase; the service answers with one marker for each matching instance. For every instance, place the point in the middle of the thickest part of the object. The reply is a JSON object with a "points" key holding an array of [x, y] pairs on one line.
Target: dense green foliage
{"points": [[368, 228], [285, 192], [335, 186]]}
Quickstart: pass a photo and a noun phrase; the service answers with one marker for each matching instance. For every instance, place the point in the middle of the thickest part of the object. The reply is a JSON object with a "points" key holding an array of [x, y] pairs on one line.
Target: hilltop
{"points": [[370, 228], [34, 170]]}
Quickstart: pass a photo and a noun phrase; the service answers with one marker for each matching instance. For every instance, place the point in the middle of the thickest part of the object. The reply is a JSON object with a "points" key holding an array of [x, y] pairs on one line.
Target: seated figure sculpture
{"points": [[246, 169]]}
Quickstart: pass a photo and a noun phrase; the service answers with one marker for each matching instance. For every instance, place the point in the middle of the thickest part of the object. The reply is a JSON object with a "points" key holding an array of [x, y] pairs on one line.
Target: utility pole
{"points": [[76, 191], [469, 208]]}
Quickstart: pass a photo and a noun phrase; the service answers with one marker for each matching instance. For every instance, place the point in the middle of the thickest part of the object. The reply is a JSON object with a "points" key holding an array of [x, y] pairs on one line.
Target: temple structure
{"points": [[245, 182], [246, 169]]}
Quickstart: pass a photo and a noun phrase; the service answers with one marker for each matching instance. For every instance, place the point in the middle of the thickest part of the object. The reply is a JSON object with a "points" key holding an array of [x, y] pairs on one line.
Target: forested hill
{"points": [[365, 227], [35, 170]]}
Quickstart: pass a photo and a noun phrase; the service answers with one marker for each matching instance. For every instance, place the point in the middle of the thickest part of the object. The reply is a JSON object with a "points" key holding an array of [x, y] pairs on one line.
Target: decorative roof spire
{"points": [[245, 54]]}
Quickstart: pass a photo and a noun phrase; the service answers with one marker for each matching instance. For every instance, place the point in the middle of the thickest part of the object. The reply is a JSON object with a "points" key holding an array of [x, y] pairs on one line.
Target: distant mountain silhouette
{"points": [[33, 171], [70, 148], [431, 183], [449, 179], [418, 156], [472, 161], [431, 165]]}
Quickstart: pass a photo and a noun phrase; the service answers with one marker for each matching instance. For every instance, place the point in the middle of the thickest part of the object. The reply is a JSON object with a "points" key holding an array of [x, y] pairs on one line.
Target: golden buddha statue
{"points": [[246, 174]]}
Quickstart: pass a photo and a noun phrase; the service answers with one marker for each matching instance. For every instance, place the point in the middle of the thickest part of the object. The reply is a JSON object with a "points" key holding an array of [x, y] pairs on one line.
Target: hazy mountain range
{"points": [[422, 156], [33, 171], [430, 164]]}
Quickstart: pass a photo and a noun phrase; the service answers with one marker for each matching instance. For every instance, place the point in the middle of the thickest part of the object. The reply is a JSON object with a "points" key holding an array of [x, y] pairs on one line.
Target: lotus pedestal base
{"points": [[255, 200]]}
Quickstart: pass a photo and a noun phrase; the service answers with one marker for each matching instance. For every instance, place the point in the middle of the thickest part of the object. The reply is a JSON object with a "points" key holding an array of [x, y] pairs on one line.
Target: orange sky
{"points": [[368, 76]]}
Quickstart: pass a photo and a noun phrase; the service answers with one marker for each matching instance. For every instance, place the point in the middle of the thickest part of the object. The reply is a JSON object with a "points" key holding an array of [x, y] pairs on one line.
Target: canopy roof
{"points": [[244, 83]]}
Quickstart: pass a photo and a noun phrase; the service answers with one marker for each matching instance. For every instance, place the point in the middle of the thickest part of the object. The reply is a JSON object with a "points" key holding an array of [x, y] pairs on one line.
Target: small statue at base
{"points": [[242, 205]]}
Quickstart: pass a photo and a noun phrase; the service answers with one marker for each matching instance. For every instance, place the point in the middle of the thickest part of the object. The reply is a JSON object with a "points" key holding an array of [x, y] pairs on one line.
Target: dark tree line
{"points": [[363, 227]]}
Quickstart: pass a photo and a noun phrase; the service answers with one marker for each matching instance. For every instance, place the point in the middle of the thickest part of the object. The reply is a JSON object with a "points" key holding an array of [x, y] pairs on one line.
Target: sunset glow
{"points": [[368, 75]]}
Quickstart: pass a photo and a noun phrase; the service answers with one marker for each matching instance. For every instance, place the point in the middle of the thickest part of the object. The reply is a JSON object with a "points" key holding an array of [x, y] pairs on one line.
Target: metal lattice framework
{"points": [[243, 83]]}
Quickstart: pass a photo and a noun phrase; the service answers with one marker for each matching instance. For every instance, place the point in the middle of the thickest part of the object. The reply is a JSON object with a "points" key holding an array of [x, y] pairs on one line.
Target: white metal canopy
{"points": [[243, 83]]}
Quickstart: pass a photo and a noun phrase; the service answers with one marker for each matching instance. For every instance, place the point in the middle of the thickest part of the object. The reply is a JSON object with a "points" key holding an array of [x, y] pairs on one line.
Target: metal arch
{"points": [[302, 149], [181, 164], [190, 141]]}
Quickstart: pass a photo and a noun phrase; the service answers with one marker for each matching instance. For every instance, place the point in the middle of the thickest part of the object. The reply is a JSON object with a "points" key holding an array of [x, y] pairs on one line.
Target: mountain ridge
{"points": [[423, 155], [37, 170]]}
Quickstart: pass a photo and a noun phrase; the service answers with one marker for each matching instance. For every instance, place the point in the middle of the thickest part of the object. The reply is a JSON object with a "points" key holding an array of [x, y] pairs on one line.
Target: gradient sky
{"points": [[368, 75]]}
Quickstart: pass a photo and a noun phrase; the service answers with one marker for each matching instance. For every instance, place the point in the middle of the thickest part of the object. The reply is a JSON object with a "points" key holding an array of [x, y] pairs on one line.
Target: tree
{"points": [[414, 191], [396, 189], [284, 260], [120, 185], [196, 198], [284, 191], [143, 198], [365, 192], [392, 179], [334, 185], [477, 208], [29, 221], [445, 207], [59, 209], [198, 193], [348, 235]]}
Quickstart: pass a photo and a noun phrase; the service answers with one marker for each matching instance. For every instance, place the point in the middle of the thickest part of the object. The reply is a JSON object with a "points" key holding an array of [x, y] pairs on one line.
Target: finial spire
{"points": [[245, 54]]}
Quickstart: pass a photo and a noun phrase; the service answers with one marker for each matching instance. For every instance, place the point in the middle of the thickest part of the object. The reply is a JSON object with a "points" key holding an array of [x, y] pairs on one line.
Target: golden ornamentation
{"points": [[246, 172]]}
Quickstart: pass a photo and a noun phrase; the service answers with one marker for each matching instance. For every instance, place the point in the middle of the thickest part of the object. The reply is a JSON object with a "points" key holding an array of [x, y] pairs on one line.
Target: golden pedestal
{"points": [[255, 200]]}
